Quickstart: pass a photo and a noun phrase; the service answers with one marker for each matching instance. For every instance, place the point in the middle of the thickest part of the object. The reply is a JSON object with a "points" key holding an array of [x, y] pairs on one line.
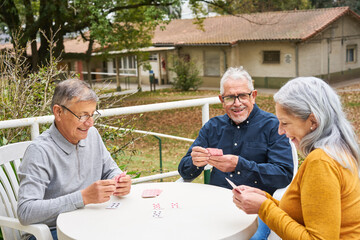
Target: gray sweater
{"points": [[53, 171]]}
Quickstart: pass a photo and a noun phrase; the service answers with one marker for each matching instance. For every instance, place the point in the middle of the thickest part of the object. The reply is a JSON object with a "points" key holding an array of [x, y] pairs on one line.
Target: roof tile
{"points": [[286, 25]]}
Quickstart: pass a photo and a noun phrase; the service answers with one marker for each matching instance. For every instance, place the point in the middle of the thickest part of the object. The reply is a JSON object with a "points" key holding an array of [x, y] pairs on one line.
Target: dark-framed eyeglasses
{"points": [[85, 117], [229, 100]]}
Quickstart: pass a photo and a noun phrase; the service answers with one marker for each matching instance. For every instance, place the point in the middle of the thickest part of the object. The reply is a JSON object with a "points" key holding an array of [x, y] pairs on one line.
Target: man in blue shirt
{"points": [[254, 153]]}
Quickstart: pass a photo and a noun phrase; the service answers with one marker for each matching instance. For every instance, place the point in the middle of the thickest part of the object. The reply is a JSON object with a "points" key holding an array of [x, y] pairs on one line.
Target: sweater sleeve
{"points": [[320, 204]]}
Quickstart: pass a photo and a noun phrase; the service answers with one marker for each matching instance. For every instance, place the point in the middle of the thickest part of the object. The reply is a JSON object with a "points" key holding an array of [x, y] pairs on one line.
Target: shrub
{"points": [[24, 93], [187, 74]]}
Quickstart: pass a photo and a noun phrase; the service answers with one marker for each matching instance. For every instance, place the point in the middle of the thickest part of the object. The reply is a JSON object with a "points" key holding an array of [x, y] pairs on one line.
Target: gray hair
{"points": [[236, 73], [334, 133], [66, 90]]}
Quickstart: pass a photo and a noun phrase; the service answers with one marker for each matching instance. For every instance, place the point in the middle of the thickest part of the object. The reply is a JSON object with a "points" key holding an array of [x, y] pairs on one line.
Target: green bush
{"points": [[187, 74]]}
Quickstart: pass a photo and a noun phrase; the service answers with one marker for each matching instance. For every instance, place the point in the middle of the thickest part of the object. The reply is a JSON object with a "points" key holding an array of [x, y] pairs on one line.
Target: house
{"points": [[273, 46]]}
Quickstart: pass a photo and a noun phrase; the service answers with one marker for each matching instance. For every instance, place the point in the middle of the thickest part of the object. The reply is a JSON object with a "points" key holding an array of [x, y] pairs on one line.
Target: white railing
{"points": [[34, 122]]}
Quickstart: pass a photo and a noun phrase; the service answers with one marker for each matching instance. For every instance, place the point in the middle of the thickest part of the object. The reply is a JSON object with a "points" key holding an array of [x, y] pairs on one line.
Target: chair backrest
{"points": [[295, 158], [10, 158], [280, 192]]}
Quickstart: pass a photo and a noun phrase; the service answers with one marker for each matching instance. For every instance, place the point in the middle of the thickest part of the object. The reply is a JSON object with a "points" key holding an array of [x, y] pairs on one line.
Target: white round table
{"points": [[182, 211]]}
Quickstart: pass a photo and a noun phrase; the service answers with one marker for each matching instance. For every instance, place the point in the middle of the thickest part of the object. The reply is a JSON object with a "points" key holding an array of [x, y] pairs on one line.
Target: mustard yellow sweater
{"points": [[322, 202]]}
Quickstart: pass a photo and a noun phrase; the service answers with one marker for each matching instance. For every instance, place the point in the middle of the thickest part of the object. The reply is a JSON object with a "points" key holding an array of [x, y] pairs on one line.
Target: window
{"points": [[351, 53], [127, 65], [271, 57], [153, 57], [212, 64]]}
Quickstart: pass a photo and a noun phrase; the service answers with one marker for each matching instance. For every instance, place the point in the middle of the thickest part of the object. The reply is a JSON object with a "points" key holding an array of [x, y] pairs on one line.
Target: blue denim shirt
{"points": [[265, 159]]}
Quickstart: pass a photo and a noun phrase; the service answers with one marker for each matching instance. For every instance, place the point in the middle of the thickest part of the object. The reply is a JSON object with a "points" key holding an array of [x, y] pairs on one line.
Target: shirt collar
{"points": [[249, 119], [62, 142]]}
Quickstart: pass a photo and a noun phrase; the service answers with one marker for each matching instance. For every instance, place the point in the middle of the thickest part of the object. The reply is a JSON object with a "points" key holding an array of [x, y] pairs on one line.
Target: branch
{"points": [[119, 8]]}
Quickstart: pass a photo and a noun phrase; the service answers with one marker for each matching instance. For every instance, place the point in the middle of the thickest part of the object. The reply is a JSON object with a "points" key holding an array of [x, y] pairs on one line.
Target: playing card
{"points": [[113, 205], [156, 206], [117, 178], [149, 193], [157, 214], [215, 151], [174, 205], [233, 185]]}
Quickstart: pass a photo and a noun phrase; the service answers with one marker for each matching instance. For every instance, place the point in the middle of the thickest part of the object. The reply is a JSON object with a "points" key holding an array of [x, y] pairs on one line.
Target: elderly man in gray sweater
{"points": [[68, 166]]}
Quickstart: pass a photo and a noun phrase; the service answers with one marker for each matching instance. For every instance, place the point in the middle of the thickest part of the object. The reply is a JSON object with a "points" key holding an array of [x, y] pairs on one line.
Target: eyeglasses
{"points": [[229, 100], [86, 117]]}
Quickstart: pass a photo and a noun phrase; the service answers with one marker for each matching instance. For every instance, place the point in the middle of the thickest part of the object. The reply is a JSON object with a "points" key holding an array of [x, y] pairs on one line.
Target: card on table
{"points": [[215, 151], [149, 193], [113, 205]]}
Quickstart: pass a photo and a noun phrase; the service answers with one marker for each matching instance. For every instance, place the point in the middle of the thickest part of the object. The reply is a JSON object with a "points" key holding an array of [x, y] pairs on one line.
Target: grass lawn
{"points": [[142, 156]]}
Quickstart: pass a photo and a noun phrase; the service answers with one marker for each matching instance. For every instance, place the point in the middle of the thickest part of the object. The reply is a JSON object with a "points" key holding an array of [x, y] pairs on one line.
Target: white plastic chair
{"points": [[11, 228], [280, 192]]}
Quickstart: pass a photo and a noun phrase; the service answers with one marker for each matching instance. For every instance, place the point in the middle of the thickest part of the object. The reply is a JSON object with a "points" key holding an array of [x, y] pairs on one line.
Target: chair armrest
{"points": [[40, 231]]}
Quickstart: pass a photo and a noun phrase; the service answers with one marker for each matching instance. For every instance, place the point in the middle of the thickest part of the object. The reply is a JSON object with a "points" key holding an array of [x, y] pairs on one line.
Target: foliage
{"points": [[123, 24], [250, 6], [353, 4], [118, 139], [23, 93], [187, 74]]}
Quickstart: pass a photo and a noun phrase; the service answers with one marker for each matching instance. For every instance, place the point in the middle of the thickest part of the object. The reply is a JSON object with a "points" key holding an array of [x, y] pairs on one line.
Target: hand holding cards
{"points": [[123, 184], [215, 151], [233, 185], [117, 178]]}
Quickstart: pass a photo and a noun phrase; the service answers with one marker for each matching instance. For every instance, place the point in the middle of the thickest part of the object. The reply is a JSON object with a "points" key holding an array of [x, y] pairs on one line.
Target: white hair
{"points": [[66, 90], [334, 133], [236, 73]]}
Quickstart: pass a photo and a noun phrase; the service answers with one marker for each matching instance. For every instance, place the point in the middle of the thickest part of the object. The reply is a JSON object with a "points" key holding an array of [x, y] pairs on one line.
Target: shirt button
{"points": [[235, 144], [191, 174], [231, 175], [247, 121], [255, 182], [238, 172], [197, 168], [238, 127]]}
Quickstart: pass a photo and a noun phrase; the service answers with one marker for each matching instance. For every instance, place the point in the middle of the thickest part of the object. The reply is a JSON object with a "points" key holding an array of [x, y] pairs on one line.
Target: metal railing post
{"points": [[160, 154]]}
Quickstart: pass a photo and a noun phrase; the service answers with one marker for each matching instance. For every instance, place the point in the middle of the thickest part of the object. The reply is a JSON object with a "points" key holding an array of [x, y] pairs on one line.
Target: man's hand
{"points": [[225, 163], [200, 156], [123, 186], [99, 192]]}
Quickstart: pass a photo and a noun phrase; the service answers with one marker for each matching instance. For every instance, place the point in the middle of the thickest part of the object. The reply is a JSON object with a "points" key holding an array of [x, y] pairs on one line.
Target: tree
{"points": [[250, 6], [353, 4], [124, 24]]}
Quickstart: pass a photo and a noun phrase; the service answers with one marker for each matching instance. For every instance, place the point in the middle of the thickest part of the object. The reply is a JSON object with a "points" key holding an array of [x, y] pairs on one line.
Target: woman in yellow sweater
{"points": [[323, 200]]}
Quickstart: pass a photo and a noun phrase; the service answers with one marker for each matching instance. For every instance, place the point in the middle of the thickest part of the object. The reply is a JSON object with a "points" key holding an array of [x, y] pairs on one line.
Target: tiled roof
{"points": [[297, 25], [77, 45]]}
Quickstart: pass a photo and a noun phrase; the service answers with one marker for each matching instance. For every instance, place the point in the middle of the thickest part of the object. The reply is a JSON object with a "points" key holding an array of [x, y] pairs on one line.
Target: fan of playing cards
{"points": [[215, 151]]}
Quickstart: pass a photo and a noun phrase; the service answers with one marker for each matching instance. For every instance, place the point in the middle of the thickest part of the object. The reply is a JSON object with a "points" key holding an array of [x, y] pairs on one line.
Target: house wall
{"points": [[269, 75], [197, 54], [325, 55]]}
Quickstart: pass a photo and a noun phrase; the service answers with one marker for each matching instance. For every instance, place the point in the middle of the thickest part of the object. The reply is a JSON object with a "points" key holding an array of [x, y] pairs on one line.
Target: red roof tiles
{"points": [[287, 25]]}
